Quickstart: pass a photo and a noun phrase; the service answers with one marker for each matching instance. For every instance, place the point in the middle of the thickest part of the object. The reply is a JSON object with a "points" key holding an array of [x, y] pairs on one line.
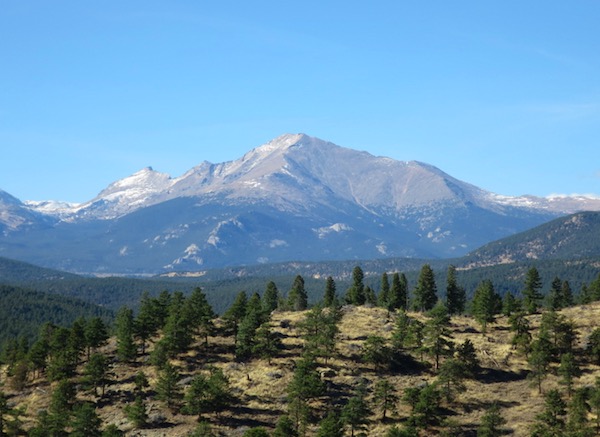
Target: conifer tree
{"points": [[551, 421], [124, 325], [236, 312], [437, 334], [96, 334], [578, 424], [399, 292], [167, 389], [491, 423], [331, 426], [385, 397], [539, 360], [355, 295], [86, 422], [425, 293], [455, 294], [568, 370], [485, 304], [147, 322], [355, 413], [270, 299], [137, 413], [297, 297], [96, 372], [384, 292], [531, 292], [266, 343], [178, 326], [200, 313], [330, 297]]}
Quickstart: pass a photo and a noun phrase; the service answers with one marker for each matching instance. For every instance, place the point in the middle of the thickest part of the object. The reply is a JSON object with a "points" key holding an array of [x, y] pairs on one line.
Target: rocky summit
{"points": [[294, 198]]}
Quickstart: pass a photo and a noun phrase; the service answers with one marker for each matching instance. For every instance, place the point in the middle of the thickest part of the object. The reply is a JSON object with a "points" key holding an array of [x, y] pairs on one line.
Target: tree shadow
{"points": [[490, 376]]}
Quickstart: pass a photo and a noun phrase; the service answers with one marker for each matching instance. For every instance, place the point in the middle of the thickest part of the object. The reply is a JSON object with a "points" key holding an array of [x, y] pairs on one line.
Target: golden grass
{"points": [[261, 387]]}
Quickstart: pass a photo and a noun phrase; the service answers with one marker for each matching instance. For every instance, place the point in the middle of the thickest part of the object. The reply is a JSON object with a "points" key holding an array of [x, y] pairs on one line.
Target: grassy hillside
{"points": [[259, 387]]}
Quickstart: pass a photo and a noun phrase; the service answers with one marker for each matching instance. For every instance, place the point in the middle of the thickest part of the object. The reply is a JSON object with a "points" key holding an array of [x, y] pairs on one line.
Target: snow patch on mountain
{"points": [[336, 228]]}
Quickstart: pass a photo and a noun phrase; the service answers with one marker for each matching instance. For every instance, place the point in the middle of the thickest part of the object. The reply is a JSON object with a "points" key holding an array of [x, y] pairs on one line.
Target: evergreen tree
{"points": [[200, 313], [266, 343], [305, 385], [522, 337], [555, 300], [399, 292], [297, 297], [355, 295], [319, 329], [141, 383], [531, 292], [465, 353], [551, 421], [147, 322], [96, 334], [178, 326], [595, 403], [568, 370], [331, 426], [376, 351], [491, 423], [437, 334], [450, 377], [425, 293], [539, 360], [236, 312], [578, 424], [208, 393], [355, 413], [284, 427], [593, 348], [112, 431], [330, 297], [385, 397], [124, 325], [137, 413], [455, 294], [86, 422], [485, 304], [566, 294], [270, 299], [370, 297], [510, 305], [96, 371], [167, 389], [384, 292]]}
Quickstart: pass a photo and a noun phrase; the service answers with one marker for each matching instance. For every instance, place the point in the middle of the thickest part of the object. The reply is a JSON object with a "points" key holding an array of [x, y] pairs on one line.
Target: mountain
{"points": [[576, 236], [294, 198]]}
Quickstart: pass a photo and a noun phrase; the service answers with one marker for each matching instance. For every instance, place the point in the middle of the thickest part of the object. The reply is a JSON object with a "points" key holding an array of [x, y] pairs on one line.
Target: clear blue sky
{"points": [[501, 94]]}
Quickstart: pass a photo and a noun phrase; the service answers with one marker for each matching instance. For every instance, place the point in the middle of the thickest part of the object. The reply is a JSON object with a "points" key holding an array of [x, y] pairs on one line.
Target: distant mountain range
{"points": [[294, 198]]}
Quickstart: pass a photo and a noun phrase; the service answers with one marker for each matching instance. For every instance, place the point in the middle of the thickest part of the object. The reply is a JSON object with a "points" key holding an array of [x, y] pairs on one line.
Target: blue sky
{"points": [[502, 94]]}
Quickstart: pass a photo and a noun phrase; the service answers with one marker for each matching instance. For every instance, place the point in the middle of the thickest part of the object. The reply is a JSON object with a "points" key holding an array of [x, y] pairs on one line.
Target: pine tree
{"points": [[284, 427], [167, 389], [437, 334], [551, 421], [330, 297], [137, 413], [297, 297], [450, 377], [455, 294], [568, 370], [384, 292], [593, 348], [236, 312], [555, 299], [355, 295], [200, 313], [208, 393], [331, 426], [376, 351], [266, 343], [491, 423], [399, 292], [531, 292], [96, 372], [578, 424], [385, 397], [270, 299], [124, 325], [425, 293], [147, 322], [96, 334], [485, 304], [539, 360], [178, 326], [356, 412], [86, 422]]}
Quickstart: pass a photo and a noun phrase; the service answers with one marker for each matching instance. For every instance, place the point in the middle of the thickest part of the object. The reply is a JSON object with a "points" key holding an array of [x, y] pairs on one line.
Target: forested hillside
{"points": [[395, 363]]}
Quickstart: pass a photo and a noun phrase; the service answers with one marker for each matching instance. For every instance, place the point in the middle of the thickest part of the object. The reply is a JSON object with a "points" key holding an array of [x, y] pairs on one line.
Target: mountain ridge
{"points": [[295, 197]]}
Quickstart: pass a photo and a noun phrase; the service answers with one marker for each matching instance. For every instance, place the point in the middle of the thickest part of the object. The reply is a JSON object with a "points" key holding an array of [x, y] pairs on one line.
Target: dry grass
{"points": [[260, 386]]}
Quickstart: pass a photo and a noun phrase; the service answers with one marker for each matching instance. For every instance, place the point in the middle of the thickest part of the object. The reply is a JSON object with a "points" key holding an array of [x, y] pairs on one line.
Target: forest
{"points": [[392, 361]]}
